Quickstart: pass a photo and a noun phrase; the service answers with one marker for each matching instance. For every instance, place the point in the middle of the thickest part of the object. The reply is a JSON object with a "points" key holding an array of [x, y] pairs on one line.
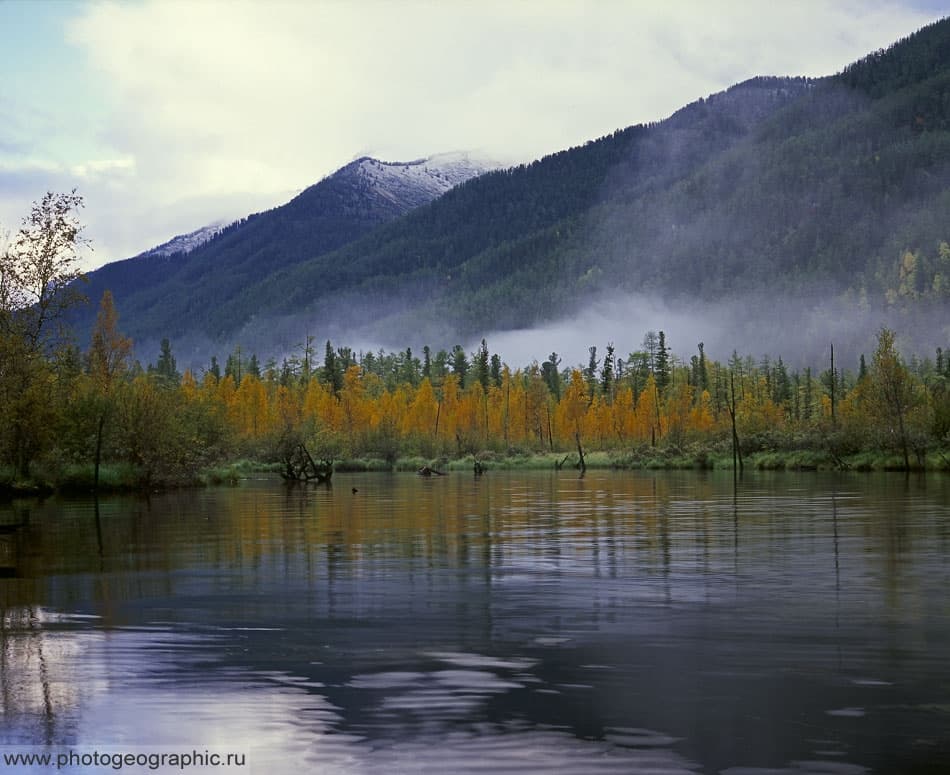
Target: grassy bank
{"points": [[120, 477], [123, 477], [649, 458]]}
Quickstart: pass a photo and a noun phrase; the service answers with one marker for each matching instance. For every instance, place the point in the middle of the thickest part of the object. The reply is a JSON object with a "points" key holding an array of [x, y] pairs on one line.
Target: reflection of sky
{"points": [[133, 700], [537, 620]]}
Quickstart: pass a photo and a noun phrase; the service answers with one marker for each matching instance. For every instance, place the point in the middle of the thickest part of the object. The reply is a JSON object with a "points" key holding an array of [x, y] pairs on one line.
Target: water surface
{"points": [[523, 622]]}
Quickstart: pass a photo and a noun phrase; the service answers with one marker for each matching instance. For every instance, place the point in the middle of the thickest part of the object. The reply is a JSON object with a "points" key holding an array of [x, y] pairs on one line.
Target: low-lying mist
{"points": [[800, 331]]}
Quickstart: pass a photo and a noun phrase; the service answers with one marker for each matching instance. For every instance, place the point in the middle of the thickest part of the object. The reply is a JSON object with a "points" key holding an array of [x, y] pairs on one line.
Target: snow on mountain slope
{"points": [[415, 183], [404, 185], [185, 243]]}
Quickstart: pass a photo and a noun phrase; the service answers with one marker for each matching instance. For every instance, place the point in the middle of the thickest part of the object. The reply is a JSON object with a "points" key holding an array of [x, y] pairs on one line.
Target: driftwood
{"points": [[839, 463], [558, 466], [427, 471], [299, 466]]}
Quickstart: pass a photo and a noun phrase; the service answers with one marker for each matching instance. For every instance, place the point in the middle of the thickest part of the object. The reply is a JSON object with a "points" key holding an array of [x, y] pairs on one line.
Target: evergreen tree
{"points": [[253, 367], [481, 365], [459, 364], [332, 375], [409, 370], [286, 373], [496, 370], [607, 372], [214, 369], [165, 369], [427, 362], [368, 363], [590, 373], [662, 361], [271, 373], [781, 387], [440, 366], [551, 375], [700, 377], [345, 358], [234, 366]]}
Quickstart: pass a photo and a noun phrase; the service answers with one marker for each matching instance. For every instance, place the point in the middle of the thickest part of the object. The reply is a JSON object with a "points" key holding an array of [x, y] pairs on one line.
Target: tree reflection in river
{"points": [[517, 621]]}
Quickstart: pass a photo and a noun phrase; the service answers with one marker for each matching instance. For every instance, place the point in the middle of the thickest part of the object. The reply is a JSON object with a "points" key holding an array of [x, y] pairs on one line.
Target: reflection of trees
{"points": [[673, 528], [37, 685]]}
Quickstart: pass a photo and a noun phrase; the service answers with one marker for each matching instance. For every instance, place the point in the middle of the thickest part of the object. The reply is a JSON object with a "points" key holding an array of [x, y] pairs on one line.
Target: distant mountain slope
{"points": [[170, 290], [777, 187], [774, 188], [492, 252]]}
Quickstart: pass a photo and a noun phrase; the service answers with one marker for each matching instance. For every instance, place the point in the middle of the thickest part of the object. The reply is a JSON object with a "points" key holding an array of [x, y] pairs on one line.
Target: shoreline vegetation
{"points": [[78, 479], [94, 419], [100, 422]]}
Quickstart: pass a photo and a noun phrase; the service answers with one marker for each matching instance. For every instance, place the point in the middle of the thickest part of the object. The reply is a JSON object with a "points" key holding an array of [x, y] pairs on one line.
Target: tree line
{"points": [[62, 405]]}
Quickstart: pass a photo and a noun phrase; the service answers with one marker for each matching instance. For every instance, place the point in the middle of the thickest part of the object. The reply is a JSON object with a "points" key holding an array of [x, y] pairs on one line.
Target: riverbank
{"points": [[656, 458], [121, 477]]}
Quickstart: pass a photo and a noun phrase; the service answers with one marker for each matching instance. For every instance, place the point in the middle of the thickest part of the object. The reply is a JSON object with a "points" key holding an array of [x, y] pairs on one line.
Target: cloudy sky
{"points": [[169, 114]]}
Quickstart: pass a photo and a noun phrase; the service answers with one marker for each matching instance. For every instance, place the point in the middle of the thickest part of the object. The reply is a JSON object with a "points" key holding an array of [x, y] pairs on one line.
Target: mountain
{"points": [[829, 189], [776, 190], [173, 289], [185, 243]]}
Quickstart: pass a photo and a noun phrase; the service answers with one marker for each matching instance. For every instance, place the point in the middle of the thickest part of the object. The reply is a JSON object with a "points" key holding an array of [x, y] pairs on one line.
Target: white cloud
{"points": [[103, 167], [236, 103]]}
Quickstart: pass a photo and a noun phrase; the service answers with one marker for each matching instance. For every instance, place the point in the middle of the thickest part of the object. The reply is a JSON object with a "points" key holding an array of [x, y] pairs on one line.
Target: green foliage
{"points": [[38, 274], [166, 370]]}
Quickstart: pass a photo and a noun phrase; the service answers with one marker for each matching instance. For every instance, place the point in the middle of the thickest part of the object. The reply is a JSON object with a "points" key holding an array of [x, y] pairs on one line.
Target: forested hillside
{"points": [[834, 188], [182, 293], [511, 247]]}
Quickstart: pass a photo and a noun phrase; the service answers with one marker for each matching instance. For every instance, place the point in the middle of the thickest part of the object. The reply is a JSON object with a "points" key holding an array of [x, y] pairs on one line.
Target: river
{"points": [[622, 622]]}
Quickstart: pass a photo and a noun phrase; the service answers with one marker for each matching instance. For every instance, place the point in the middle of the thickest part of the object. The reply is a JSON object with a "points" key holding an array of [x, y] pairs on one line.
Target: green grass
{"points": [[361, 465], [232, 473], [791, 460], [113, 477], [124, 477]]}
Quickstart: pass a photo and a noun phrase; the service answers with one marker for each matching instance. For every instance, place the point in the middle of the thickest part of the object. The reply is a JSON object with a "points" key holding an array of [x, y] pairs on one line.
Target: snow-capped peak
{"points": [[185, 243], [417, 182]]}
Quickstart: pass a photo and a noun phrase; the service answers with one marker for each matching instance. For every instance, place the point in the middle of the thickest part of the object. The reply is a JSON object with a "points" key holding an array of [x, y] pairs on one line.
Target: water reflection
{"points": [[615, 623]]}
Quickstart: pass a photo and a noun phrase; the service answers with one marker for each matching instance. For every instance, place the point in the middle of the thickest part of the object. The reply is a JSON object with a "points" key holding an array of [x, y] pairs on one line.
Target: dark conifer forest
{"points": [[834, 187]]}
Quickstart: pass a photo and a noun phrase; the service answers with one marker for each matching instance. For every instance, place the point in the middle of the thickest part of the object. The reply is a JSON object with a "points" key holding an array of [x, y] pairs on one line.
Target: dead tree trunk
{"points": [[299, 466]]}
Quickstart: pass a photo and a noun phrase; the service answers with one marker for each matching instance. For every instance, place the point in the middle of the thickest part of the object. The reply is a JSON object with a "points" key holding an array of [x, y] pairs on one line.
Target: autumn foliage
{"points": [[386, 406]]}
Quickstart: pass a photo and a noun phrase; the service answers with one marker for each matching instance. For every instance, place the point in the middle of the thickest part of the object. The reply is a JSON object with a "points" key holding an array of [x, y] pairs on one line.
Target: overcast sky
{"points": [[169, 114]]}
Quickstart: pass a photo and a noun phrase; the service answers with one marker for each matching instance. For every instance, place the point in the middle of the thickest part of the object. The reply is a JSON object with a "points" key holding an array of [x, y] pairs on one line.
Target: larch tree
{"points": [[895, 396], [108, 362]]}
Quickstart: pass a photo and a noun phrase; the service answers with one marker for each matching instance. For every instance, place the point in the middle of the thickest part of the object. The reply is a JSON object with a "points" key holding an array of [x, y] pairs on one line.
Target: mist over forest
{"points": [[777, 217]]}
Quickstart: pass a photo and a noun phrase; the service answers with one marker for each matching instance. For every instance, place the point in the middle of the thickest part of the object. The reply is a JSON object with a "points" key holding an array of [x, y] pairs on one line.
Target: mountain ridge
{"points": [[158, 295], [777, 186]]}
